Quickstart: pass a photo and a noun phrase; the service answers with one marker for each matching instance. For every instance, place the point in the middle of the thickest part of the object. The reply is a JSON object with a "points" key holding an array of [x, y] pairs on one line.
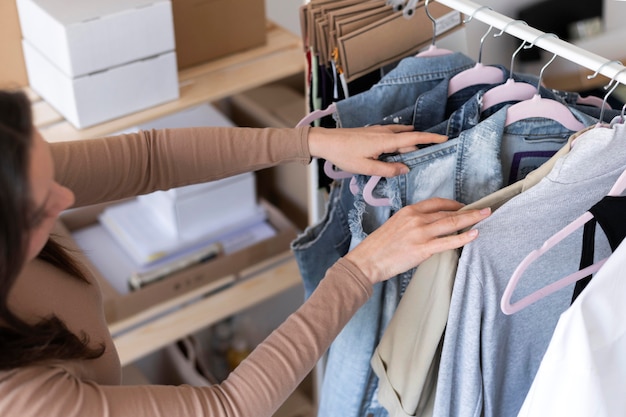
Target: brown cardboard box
{"points": [[12, 67], [208, 29], [118, 306]]}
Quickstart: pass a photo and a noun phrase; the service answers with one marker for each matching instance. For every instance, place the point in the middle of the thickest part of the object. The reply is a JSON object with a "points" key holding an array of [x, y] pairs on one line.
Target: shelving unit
{"points": [[279, 58], [150, 330], [169, 321]]}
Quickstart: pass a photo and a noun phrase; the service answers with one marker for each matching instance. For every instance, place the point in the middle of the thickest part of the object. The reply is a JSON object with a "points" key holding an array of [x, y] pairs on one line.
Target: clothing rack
{"points": [[560, 47], [579, 56]]}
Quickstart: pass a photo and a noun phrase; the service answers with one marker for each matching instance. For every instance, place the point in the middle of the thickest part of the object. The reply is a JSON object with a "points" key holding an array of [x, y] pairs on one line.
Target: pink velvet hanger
{"points": [[316, 115], [510, 90], [432, 50], [593, 101], [543, 107], [329, 169], [368, 193], [479, 73], [505, 302]]}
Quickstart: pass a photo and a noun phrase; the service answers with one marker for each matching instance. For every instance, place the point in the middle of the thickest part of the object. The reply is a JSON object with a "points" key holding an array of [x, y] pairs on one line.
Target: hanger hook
{"points": [[615, 83], [595, 74], [432, 19], [468, 19], [517, 51], [549, 62], [512, 22], [482, 41]]}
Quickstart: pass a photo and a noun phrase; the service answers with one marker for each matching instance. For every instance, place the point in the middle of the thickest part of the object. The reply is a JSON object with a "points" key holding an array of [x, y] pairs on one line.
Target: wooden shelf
{"points": [[152, 329], [280, 57], [194, 311]]}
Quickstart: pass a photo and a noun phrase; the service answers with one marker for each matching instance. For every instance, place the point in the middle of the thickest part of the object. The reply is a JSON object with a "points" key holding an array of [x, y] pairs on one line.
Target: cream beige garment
{"points": [[407, 358]]}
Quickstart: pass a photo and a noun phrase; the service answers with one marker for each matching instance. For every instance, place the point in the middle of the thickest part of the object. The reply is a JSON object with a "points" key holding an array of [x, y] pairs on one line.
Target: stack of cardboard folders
{"points": [[357, 37]]}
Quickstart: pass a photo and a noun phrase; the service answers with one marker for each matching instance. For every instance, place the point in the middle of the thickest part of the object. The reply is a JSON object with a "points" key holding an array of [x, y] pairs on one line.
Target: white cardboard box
{"points": [[84, 36], [95, 98], [119, 306], [142, 236], [189, 209], [205, 207]]}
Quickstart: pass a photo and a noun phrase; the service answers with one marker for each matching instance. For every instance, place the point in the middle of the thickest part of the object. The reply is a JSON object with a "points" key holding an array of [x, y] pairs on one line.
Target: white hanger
{"points": [[478, 74], [432, 50], [505, 303], [543, 107], [511, 90]]}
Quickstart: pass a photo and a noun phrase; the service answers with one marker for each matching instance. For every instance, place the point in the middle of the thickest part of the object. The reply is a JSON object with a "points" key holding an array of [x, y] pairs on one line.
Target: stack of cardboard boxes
{"points": [[95, 61], [210, 29]]}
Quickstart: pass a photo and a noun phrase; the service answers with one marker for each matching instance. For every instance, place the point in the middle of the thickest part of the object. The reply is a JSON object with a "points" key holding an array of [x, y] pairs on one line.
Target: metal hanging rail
{"points": [[573, 53]]}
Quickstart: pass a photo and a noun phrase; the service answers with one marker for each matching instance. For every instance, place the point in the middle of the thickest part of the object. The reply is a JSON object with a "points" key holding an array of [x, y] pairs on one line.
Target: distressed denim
{"points": [[349, 386], [428, 114], [322, 244], [469, 114], [433, 106], [429, 109], [465, 168], [399, 88]]}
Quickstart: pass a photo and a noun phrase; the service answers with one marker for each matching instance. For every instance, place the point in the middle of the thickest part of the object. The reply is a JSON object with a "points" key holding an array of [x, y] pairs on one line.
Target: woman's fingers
{"points": [[453, 241], [412, 235], [436, 205], [444, 223], [357, 150], [407, 140]]}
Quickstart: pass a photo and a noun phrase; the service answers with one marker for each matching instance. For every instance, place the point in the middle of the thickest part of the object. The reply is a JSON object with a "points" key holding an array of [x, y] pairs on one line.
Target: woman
{"points": [[57, 357]]}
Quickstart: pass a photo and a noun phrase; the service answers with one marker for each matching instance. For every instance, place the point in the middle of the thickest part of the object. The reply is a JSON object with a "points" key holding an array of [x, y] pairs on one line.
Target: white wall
{"points": [[285, 13]]}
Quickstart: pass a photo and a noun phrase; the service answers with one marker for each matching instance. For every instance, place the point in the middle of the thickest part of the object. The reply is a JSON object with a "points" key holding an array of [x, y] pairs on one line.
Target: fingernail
{"points": [[404, 170], [485, 211], [473, 233]]}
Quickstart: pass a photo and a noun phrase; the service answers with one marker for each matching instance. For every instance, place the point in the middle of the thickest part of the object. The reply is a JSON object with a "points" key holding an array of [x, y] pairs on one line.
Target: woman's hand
{"points": [[356, 150], [412, 235]]}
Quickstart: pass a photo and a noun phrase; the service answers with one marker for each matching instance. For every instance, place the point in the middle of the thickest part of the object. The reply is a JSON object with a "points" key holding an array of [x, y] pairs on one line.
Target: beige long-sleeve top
{"points": [[111, 168]]}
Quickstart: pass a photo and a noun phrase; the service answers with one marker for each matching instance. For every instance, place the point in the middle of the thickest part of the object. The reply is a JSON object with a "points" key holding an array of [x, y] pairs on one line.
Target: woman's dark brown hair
{"points": [[22, 343]]}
